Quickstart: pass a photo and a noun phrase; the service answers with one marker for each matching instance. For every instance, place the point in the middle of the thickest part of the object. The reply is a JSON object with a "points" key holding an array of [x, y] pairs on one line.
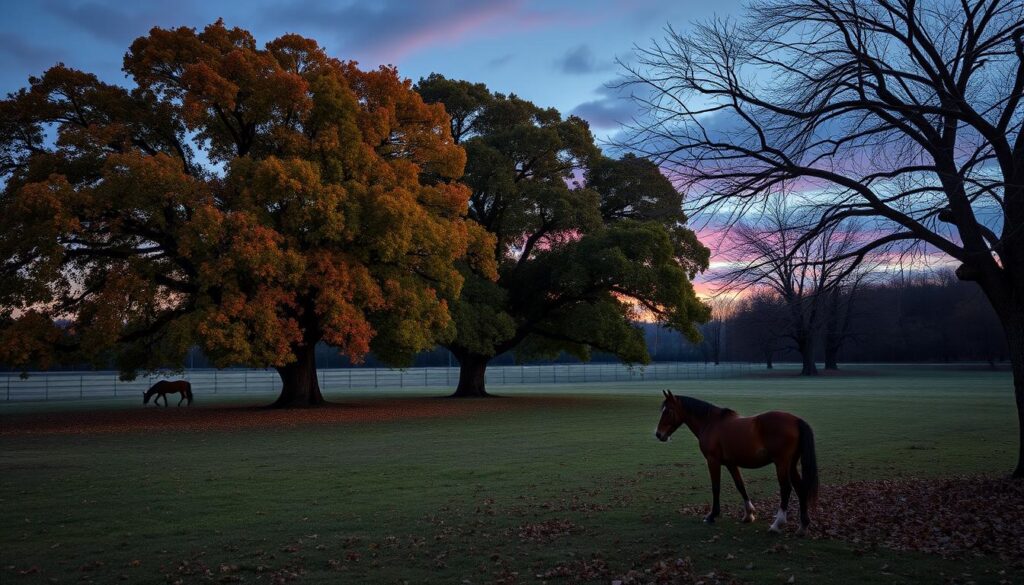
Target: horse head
{"points": [[671, 417]]}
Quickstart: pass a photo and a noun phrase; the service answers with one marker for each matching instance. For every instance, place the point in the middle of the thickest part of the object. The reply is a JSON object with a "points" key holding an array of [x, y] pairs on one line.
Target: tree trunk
{"points": [[831, 357], [472, 376], [1014, 326], [768, 360], [832, 333], [806, 349], [299, 384], [1007, 297]]}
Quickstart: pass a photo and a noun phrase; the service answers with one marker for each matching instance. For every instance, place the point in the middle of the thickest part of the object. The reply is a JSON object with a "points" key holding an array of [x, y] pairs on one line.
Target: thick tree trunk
{"points": [[1007, 297], [472, 376], [299, 384], [1014, 326]]}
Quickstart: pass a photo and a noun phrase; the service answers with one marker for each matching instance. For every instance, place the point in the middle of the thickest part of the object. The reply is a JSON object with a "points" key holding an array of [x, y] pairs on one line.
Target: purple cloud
{"points": [[391, 29]]}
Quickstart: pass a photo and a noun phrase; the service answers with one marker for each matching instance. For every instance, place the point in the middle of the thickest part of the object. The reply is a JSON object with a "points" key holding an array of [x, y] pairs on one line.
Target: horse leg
{"points": [[782, 472], [715, 470], [182, 400], [801, 494], [165, 401], [748, 508]]}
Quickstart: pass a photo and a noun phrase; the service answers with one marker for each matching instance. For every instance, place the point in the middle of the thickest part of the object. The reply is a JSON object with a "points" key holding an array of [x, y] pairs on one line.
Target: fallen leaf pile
{"points": [[577, 571], [673, 572], [546, 531], [951, 517]]}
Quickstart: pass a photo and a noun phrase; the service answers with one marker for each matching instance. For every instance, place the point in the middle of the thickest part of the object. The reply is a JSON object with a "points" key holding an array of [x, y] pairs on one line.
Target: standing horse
{"points": [[165, 387], [735, 441]]}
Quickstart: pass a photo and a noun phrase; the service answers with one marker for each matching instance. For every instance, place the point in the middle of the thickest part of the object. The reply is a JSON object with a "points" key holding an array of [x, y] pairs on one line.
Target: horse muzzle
{"points": [[660, 436]]}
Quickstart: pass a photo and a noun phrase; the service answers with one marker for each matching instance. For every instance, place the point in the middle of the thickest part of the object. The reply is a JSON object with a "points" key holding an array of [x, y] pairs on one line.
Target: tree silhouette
{"points": [[905, 114], [774, 253]]}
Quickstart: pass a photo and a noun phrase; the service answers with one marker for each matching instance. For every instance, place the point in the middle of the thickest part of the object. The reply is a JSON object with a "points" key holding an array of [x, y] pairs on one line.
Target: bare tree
{"points": [[840, 308], [774, 252], [714, 331], [904, 113]]}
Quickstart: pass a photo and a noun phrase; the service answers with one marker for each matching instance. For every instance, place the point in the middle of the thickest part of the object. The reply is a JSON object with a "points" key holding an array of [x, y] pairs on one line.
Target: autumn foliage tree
{"points": [[585, 245], [256, 200]]}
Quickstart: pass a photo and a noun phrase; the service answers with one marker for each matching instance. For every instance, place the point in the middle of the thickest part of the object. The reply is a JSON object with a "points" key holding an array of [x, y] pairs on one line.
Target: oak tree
{"points": [[585, 245], [254, 200]]}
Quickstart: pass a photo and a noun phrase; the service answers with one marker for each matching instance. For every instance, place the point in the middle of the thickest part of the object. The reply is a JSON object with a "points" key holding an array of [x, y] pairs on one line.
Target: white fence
{"points": [[101, 385]]}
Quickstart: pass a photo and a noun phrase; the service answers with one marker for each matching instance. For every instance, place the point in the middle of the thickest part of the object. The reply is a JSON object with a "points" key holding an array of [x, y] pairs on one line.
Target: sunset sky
{"points": [[559, 54]]}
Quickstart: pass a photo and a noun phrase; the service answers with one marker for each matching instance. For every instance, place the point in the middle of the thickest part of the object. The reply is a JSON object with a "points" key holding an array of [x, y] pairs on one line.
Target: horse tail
{"points": [[188, 392], [808, 460]]}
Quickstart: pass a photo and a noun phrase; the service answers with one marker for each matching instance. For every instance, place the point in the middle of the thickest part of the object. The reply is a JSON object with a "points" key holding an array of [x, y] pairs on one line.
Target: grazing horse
{"points": [[735, 441], [165, 387]]}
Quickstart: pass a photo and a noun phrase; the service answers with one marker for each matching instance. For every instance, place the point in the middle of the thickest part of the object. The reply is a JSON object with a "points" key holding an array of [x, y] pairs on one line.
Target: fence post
{"points": [[81, 388], [374, 377], [115, 385], [215, 381], [46, 387]]}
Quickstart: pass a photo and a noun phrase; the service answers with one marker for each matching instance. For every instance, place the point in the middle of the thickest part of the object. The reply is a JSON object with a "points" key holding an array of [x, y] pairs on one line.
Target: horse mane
{"points": [[702, 409]]}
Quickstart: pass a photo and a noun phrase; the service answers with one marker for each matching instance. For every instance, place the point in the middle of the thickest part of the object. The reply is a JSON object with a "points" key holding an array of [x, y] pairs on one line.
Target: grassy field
{"points": [[504, 494]]}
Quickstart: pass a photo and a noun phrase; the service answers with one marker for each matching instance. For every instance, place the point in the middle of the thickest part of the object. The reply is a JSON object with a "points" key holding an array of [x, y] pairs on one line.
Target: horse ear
{"points": [[664, 393], [668, 394]]}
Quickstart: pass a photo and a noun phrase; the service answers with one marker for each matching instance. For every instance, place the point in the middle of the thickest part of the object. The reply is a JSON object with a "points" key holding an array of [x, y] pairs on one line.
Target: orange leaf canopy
{"points": [[255, 200]]}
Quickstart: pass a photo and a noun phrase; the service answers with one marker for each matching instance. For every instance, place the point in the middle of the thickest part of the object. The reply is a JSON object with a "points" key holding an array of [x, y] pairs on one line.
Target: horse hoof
{"points": [[749, 519], [774, 529], [709, 519]]}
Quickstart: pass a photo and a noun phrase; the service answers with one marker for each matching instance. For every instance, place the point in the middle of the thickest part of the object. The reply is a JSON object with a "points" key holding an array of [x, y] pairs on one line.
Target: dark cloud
{"points": [[613, 109], [500, 61], [581, 60], [118, 22], [18, 50]]}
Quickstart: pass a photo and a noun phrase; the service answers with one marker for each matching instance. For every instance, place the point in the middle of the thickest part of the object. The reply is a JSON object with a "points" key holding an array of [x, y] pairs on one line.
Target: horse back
{"points": [[754, 441], [168, 387], [779, 431]]}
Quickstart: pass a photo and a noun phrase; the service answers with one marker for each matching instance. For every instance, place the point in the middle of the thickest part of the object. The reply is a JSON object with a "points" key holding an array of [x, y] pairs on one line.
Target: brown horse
{"points": [[165, 387], [735, 441]]}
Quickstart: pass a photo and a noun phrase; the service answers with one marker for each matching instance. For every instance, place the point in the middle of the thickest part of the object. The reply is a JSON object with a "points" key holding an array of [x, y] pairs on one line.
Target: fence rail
{"points": [[102, 385]]}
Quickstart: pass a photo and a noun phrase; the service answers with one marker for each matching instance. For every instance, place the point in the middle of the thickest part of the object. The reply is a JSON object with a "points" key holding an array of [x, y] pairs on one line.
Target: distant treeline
{"points": [[928, 319], [932, 319]]}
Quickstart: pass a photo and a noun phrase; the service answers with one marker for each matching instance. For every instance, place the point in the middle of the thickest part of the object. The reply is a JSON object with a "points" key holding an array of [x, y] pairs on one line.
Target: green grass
{"points": [[440, 500]]}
